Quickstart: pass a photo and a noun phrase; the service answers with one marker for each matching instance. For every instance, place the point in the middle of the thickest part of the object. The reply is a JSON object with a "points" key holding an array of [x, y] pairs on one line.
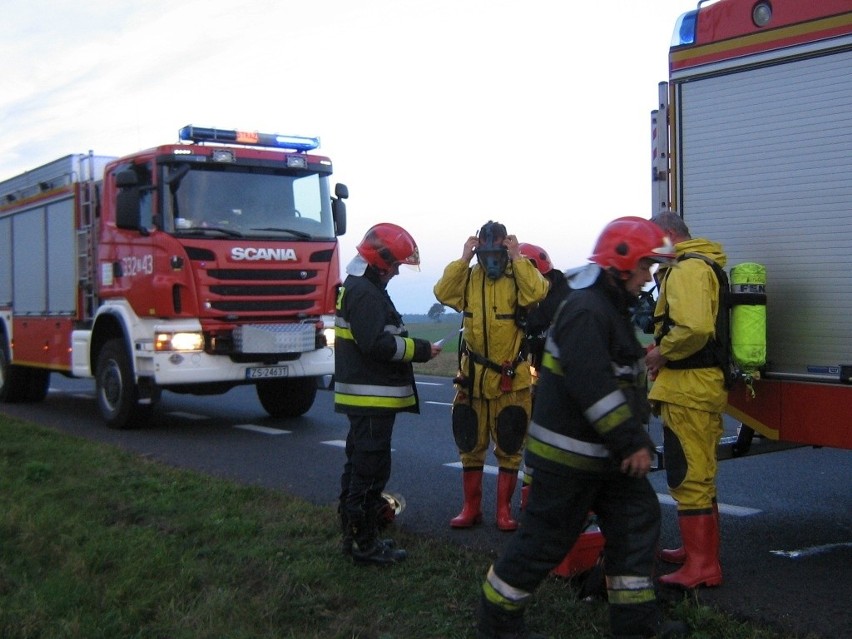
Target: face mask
{"points": [[491, 254]]}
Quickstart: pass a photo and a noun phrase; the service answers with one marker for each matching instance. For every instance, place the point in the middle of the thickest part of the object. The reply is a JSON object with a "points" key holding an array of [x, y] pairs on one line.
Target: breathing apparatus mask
{"points": [[643, 312], [491, 254]]}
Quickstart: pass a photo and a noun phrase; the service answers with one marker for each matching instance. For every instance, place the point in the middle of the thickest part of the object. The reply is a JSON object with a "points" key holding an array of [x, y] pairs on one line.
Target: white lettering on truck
{"points": [[239, 253]]}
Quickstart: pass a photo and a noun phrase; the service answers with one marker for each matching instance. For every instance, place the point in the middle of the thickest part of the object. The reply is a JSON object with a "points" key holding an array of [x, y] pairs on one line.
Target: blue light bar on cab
{"points": [[684, 31], [248, 138]]}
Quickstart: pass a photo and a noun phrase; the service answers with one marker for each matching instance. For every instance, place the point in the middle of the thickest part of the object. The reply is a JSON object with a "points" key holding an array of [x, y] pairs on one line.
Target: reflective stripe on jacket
{"points": [[373, 352], [590, 405]]}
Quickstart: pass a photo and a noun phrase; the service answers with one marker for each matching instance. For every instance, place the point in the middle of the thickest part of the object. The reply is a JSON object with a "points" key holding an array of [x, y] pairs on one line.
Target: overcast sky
{"points": [[438, 115]]}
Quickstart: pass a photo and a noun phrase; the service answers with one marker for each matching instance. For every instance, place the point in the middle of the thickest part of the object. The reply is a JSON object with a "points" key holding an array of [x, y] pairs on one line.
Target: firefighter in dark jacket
{"points": [[538, 319], [492, 401], [374, 380], [539, 316], [588, 446]]}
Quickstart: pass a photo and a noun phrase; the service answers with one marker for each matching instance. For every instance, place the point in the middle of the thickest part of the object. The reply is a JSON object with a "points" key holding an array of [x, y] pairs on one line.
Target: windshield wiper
{"points": [[301, 234], [203, 230]]}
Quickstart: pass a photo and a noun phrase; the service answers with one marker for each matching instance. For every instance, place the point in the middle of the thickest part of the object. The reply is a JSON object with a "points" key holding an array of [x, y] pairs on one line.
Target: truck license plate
{"points": [[266, 372]]}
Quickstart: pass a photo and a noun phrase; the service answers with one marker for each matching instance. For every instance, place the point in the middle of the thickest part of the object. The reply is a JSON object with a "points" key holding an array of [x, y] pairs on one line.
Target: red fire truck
{"points": [[191, 267], [753, 147]]}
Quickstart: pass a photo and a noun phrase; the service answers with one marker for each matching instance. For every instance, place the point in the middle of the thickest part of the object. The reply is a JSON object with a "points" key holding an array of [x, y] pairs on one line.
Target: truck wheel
{"points": [[117, 395], [12, 387], [289, 397], [37, 382]]}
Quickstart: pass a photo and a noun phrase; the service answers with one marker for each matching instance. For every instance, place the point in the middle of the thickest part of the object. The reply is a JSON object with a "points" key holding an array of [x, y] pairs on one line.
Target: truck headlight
{"points": [[328, 329], [178, 342]]}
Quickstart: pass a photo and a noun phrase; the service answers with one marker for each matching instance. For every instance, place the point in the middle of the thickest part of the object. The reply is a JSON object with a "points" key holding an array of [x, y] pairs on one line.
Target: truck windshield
{"points": [[239, 201]]}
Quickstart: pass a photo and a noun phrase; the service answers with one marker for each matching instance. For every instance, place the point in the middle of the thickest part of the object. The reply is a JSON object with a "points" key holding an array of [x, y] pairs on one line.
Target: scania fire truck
{"points": [[753, 147], [191, 267]]}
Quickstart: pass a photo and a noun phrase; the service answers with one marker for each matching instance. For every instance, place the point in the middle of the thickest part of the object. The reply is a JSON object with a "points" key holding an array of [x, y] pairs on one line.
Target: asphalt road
{"points": [[786, 516]]}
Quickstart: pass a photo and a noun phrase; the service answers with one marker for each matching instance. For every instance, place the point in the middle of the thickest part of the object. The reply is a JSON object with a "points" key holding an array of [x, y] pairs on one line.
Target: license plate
{"points": [[266, 372]]}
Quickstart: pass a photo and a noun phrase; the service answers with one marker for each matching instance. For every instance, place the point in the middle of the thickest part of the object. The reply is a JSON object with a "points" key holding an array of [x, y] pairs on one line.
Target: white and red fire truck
{"points": [[753, 147], [191, 267]]}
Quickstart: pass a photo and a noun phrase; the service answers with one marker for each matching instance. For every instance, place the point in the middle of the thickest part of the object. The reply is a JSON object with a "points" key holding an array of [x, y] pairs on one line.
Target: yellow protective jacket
{"points": [[490, 309], [691, 291]]}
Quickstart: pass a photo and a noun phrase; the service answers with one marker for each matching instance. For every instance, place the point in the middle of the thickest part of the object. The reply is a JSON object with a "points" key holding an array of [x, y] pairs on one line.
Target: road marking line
{"points": [[429, 384], [263, 429], [488, 470], [193, 416], [812, 550], [736, 511], [727, 509], [439, 403], [60, 391], [341, 443]]}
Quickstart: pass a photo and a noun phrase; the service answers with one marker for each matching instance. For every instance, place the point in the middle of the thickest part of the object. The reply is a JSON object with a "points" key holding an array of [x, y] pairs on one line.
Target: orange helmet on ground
{"points": [[385, 245], [538, 256], [626, 240]]}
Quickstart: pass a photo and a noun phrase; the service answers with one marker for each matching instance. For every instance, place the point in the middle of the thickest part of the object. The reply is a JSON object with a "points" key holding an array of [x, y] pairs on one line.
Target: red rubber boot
{"points": [[700, 534], [678, 555], [506, 482], [471, 513]]}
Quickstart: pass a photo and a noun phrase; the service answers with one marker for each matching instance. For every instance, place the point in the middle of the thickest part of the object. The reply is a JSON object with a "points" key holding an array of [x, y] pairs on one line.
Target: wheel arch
{"points": [[109, 325]]}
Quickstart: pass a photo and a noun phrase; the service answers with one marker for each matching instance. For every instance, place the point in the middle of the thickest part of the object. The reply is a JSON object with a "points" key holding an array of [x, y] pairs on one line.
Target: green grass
{"points": [[98, 543]]}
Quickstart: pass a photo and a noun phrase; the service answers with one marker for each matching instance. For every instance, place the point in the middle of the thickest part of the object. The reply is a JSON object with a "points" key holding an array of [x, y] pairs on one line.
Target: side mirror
{"points": [[338, 208], [127, 215]]}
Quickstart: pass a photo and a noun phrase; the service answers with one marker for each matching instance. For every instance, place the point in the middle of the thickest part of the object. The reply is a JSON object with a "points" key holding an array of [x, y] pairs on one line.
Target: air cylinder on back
{"points": [[748, 316]]}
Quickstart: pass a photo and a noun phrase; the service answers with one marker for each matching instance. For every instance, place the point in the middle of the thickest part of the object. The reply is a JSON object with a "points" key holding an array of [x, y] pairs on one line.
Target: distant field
{"points": [[446, 364]]}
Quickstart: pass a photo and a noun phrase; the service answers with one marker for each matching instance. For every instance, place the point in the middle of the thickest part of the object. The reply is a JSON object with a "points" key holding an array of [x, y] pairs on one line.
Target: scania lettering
{"points": [[279, 254], [190, 267], [752, 145]]}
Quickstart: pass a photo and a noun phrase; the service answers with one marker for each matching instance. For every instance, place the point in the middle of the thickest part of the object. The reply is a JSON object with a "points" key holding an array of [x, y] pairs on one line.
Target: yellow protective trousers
{"points": [[690, 438], [503, 420]]}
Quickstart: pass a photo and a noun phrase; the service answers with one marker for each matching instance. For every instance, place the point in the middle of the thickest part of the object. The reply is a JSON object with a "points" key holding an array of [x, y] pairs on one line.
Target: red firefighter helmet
{"points": [[626, 240], [385, 245], [538, 256]]}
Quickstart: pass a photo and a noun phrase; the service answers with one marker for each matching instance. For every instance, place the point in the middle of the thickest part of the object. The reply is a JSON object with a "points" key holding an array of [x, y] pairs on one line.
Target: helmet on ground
{"points": [[491, 252], [538, 256], [385, 245], [627, 240]]}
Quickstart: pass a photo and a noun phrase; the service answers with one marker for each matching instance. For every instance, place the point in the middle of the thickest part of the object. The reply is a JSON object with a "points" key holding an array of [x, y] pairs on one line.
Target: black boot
{"points": [[346, 531], [366, 546], [493, 622]]}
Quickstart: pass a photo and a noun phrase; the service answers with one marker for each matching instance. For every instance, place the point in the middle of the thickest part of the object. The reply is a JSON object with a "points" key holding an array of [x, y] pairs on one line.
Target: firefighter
{"points": [[374, 380], [492, 401], [539, 316], [589, 448], [689, 395], [537, 322]]}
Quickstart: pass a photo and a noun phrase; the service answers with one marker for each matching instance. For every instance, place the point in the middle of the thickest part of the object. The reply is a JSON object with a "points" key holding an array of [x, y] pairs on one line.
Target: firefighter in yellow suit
{"points": [[493, 400], [689, 395]]}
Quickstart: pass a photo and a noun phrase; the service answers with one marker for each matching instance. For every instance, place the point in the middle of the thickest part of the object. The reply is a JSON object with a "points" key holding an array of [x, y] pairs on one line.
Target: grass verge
{"points": [[98, 543]]}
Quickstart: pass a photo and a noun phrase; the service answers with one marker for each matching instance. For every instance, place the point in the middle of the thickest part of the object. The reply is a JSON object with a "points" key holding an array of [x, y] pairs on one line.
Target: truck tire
{"points": [[117, 395], [37, 381], [288, 397], [13, 380]]}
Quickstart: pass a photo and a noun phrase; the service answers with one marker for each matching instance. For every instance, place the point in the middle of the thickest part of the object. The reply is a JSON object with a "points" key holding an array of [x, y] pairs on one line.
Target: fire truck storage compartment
{"points": [[43, 259], [765, 155]]}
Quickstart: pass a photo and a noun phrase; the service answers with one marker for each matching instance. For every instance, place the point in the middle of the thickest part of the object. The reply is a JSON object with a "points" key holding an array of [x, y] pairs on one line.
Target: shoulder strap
{"points": [[717, 352]]}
